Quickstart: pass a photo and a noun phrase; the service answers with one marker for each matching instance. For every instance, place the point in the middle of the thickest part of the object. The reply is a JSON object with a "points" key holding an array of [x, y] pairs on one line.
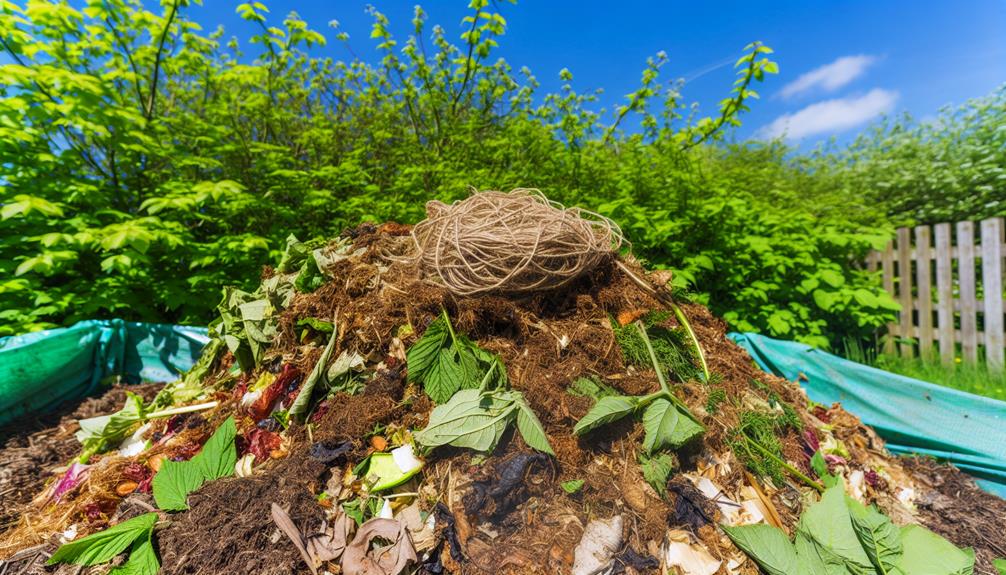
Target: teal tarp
{"points": [[40, 370], [912, 416]]}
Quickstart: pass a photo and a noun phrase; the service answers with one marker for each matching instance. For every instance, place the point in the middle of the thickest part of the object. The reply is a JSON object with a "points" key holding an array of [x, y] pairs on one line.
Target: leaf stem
{"points": [[653, 358], [796, 472], [182, 409], [695, 340]]}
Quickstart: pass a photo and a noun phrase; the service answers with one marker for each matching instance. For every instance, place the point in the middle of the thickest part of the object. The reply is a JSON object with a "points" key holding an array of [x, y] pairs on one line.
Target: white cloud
{"points": [[830, 116], [829, 77]]}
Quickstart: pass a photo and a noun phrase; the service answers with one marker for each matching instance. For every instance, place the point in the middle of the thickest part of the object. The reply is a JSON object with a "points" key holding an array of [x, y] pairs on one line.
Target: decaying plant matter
{"points": [[370, 421]]}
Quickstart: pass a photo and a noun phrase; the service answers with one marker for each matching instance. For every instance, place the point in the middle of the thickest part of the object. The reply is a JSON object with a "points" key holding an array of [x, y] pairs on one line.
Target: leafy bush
{"points": [[147, 164], [950, 169]]}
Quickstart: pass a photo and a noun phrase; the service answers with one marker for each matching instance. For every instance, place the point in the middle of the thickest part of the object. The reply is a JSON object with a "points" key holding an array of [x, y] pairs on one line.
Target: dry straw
{"points": [[510, 242]]}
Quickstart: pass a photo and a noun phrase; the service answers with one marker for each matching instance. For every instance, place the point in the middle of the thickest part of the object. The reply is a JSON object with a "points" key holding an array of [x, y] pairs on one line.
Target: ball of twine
{"points": [[510, 242]]}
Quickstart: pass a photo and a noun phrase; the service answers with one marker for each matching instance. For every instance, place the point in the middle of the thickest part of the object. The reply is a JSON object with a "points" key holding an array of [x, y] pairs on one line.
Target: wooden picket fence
{"points": [[965, 306]]}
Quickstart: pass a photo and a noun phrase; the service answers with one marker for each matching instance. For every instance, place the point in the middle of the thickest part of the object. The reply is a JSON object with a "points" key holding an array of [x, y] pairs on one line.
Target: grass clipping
{"points": [[510, 242]]}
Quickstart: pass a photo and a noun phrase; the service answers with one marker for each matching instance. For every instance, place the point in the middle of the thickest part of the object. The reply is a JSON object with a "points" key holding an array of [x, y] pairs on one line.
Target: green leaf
{"points": [[878, 536], [177, 479], [316, 324], [298, 409], [828, 524], [656, 470], [820, 467], [605, 411], [217, 457], [445, 362], [659, 421], [531, 429], [926, 553], [832, 277], [173, 483], [470, 419], [686, 430], [104, 545], [423, 354], [572, 486], [99, 433], [142, 559], [1000, 565], [812, 559], [768, 546]]}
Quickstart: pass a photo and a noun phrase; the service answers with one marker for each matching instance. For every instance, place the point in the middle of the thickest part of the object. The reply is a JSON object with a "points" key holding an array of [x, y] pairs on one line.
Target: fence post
{"points": [[945, 293], [992, 288], [905, 290], [887, 265], [923, 267], [966, 271]]}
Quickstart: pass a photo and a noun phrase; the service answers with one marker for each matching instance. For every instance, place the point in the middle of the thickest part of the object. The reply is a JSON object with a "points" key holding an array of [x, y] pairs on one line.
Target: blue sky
{"points": [[842, 63]]}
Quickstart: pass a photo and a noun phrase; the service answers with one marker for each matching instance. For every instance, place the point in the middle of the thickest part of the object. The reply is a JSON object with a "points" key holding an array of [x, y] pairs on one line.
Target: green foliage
{"points": [[923, 172], [104, 545], [572, 486], [765, 458], [716, 397], [820, 467], [672, 346], [144, 160], [972, 378], [839, 534], [445, 362], [96, 434], [177, 479], [657, 470], [477, 419]]}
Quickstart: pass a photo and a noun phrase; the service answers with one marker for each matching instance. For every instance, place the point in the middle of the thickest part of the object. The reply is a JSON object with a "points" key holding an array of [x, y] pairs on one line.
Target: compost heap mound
{"points": [[345, 319]]}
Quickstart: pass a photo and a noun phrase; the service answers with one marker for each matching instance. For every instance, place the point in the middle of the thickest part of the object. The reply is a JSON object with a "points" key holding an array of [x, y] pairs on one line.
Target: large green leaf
{"points": [[659, 421], [298, 409], [469, 419], [768, 546], [878, 535], [531, 429], [444, 362], [217, 457], [104, 545], [605, 411], [828, 524], [926, 553], [423, 354], [173, 483], [142, 559], [177, 479]]}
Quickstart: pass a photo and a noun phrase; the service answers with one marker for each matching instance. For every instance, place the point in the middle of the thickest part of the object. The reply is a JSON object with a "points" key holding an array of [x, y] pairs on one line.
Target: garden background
{"points": [[145, 163]]}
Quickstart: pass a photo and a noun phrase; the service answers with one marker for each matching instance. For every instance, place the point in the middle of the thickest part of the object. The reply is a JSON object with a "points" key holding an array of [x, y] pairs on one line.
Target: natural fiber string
{"points": [[510, 242]]}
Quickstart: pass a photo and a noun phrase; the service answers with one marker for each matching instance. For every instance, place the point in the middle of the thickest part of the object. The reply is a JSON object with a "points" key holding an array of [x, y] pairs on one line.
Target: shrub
{"points": [[147, 164]]}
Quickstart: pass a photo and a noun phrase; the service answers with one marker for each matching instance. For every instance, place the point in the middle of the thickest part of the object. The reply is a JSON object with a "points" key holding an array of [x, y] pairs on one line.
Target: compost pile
{"points": [[354, 415]]}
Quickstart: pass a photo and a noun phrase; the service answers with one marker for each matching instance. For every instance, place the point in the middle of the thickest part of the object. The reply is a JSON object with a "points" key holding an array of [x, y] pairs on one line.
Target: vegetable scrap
{"points": [[350, 416]]}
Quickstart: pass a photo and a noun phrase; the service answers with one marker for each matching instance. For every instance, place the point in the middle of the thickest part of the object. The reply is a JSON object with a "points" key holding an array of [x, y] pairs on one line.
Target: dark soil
{"points": [[33, 449], [229, 528], [961, 511]]}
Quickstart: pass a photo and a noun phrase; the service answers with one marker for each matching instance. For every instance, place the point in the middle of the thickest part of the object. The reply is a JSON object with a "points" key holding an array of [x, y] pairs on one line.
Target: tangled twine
{"points": [[515, 242]]}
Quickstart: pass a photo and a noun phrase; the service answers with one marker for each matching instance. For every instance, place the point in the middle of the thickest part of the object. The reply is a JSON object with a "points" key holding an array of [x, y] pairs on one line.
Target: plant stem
{"points": [[695, 341], [183, 409], [653, 358], [796, 472]]}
